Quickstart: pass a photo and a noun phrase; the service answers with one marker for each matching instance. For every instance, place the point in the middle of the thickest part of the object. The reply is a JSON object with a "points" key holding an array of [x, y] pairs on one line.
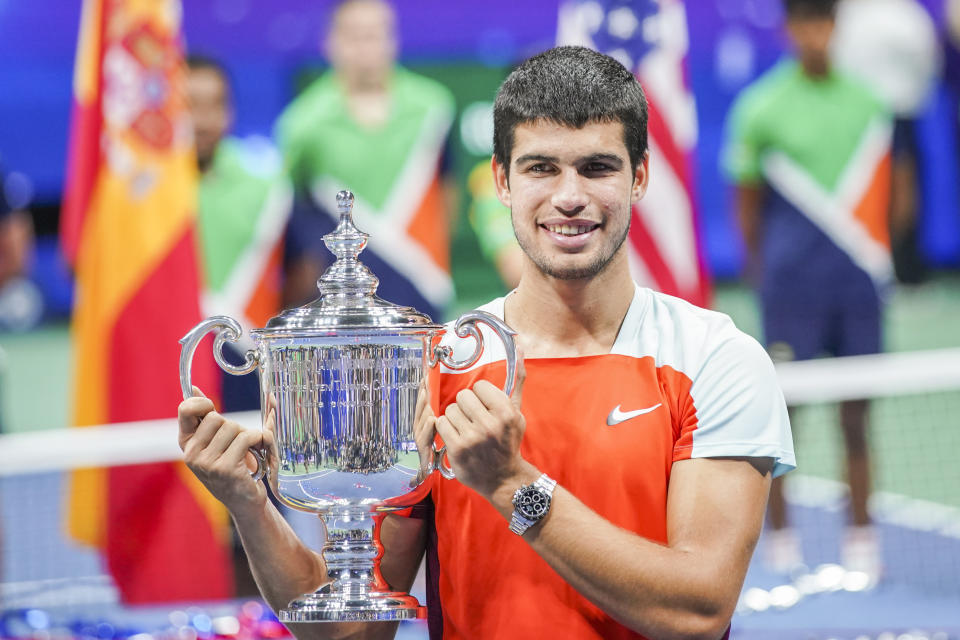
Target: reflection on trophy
{"points": [[339, 379]]}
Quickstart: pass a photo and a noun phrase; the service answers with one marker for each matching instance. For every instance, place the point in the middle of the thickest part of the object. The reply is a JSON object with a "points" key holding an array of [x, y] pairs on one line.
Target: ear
{"points": [[501, 181], [640, 178]]}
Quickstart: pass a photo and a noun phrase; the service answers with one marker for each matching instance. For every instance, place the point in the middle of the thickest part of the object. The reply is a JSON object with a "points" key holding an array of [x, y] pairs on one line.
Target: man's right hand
{"points": [[217, 450]]}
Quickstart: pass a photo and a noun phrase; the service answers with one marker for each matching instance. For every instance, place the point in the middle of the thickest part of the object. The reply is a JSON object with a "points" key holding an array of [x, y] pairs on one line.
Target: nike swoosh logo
{"points": [[616, 416]]}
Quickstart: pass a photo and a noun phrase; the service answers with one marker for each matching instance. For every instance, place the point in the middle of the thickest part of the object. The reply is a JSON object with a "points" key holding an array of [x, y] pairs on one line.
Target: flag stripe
{"points": [[149, 563], [129, 226], [83, 153], [650, 254], [676, 159], [144, 354]]}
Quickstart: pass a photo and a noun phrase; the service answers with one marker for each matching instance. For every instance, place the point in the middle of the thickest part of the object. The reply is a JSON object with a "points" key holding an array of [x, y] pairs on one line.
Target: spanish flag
{"points": [[128, 228]]}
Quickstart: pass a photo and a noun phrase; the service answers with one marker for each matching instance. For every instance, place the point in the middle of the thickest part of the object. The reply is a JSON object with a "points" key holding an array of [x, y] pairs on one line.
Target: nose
{"points": [[569, 196]]}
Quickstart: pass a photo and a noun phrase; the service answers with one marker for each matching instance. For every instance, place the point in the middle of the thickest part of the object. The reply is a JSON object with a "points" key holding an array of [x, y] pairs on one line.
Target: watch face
{"points": [[532, 503]]}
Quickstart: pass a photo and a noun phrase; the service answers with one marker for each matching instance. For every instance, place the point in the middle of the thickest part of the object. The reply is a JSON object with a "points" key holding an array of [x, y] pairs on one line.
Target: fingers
{"points": [[494, 403], [421, 401], [269, 440], [447, 431], [236, 453], [455, 416], [213, 437], [218, 438], [190, 414], [492, 396], [471, 406]]}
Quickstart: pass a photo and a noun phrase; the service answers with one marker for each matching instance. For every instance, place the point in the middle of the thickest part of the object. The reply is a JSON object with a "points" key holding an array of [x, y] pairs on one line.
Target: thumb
{"points": [[517, 396], [198, 393]]}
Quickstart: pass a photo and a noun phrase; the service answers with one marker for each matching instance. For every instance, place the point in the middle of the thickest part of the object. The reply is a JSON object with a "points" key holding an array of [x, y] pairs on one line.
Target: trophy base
{"points": [[371, 606]]}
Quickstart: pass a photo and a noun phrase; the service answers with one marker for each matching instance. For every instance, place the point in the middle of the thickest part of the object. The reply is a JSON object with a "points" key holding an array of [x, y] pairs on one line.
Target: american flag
{"points": [[650, 38]]}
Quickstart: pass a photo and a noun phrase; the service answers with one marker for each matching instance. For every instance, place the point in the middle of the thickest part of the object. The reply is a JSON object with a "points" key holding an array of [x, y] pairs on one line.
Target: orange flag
{"points": [[128, 229]]}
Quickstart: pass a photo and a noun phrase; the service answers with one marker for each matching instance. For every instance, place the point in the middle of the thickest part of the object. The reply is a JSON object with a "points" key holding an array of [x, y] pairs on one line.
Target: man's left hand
{"points": [[482, 431]]}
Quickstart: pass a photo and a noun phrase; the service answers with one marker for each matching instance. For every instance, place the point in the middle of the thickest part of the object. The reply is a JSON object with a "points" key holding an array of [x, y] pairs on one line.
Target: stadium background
{"points": [[270, 51]]}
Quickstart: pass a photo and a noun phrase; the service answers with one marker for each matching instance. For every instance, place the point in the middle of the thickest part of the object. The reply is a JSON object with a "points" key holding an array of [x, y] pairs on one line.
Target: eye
{"points": [[597, 167], [540, 167]]}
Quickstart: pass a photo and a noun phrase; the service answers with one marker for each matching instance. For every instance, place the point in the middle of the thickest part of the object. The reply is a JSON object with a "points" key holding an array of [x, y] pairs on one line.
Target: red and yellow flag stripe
{"points": [[128, 227]]}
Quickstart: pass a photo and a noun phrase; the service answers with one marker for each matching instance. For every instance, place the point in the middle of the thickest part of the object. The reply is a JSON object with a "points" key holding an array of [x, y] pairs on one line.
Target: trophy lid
{"points": [[348, 289]]}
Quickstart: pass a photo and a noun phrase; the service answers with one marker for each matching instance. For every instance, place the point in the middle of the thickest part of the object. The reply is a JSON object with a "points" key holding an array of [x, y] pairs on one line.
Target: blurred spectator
{"points": [[244, 203], [20, 302], [809, 151], [493, 226], [16, 246], [16, 238], [375, 128], [892, 46]]}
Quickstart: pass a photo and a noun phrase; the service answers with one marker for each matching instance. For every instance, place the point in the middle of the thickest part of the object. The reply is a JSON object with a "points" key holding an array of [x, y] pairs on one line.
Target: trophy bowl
{"points": [[339, 381]]}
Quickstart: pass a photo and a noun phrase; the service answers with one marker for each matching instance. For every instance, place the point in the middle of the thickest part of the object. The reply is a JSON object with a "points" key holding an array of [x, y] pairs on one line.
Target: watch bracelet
{"points": [[518, 523]]}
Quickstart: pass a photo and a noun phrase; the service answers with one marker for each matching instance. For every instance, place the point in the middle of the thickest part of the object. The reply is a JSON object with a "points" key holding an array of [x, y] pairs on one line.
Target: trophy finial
{"points": [[345, 202], [347, 275]]}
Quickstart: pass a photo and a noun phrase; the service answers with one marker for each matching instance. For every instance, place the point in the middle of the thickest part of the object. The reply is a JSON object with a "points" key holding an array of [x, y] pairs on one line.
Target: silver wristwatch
{"points": [[531, 503]]}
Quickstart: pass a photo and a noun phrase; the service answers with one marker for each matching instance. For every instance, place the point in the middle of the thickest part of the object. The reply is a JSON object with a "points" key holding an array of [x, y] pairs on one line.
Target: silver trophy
{"points": [[339, 379]]}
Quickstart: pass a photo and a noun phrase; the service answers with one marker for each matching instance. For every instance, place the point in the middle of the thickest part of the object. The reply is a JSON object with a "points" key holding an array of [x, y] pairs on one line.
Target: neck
{"points": [[361, 85], [815, 68], [570, 318]]}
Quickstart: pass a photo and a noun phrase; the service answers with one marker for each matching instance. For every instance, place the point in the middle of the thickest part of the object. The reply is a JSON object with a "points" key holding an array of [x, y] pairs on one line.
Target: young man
{"points": [[809, 152], [647, 428]]}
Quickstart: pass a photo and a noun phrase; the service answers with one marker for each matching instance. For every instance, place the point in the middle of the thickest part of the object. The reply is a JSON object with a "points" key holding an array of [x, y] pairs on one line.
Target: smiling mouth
{"points": [[570, 229]]}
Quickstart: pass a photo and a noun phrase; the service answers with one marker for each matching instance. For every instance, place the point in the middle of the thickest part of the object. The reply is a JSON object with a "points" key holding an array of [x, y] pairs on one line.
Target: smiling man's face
{"points": [[570, 192]]}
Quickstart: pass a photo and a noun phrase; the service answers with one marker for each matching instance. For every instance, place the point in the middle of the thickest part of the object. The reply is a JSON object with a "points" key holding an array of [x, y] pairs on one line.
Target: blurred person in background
{"points": [[16, 244], [244, 204], [809, 152], [20, 303], [16, 237], [892, 46], [494, 229], [373, 127]]}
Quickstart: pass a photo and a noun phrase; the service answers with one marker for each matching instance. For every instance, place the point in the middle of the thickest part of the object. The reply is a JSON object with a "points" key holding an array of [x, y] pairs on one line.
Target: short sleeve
{"points": [[743, 144], [740, 410]]}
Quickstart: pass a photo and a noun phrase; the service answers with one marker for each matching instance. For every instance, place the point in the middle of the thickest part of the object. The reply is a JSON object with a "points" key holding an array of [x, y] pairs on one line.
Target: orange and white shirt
{"points": [[680, 382]]}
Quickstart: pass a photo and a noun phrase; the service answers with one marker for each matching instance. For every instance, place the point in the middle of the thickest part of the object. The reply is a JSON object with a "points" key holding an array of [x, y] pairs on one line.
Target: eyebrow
{"points": [[594, 157], [534, 157]]}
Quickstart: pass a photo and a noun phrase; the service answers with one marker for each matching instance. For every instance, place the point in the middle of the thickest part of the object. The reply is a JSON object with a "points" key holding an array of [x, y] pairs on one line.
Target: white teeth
{"points": [[567, 230]]}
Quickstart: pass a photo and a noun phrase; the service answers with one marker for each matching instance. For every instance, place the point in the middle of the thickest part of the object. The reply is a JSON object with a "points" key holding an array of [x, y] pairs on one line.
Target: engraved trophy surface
{"points": [[339, 379]]}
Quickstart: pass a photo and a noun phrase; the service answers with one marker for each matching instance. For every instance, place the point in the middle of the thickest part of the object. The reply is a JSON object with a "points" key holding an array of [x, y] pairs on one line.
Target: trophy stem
{"points": [[352, 551], [357, 591]]}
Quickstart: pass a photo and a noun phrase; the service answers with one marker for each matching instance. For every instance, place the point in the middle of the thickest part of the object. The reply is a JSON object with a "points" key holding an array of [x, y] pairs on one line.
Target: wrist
{"points": [[249, 511], [502, 496]]}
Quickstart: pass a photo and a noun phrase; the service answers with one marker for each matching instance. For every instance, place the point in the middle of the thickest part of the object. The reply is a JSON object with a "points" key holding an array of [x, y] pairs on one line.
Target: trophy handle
{"points": [[228, 330], [466, 326]]}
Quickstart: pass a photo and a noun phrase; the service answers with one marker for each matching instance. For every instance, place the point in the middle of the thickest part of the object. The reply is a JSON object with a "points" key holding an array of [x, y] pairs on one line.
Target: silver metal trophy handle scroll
{"points": [[466, 326], [228, 330]]}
